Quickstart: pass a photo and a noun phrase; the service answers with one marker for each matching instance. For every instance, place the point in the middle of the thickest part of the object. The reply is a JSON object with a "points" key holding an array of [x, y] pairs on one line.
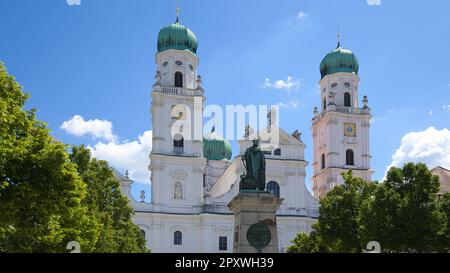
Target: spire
{"points": [[213, 129], [339, 39], [178, 13]]}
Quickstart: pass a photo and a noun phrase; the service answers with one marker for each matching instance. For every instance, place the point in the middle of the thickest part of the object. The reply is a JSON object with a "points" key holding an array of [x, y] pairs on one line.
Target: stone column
{"points": [[255, 228]]}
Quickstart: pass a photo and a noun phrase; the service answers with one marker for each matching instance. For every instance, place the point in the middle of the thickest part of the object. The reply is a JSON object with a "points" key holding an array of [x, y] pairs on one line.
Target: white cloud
{"points": [[301, 15], [430, 146], [290, 104], [294, 20], [121, 155], [374, 2], [132, 156], [446, 107], [95, 128], [288, 84], [431, 112]]}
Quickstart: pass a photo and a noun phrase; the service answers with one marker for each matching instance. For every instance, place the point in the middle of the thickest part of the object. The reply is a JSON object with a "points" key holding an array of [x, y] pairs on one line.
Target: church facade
{"points": [[194, 179]]}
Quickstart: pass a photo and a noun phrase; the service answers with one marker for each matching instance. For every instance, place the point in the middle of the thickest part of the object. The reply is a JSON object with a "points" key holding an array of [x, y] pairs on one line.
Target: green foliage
{"points": [[339, 212], [41, 193], [47, 198], [445, 209], [404, 214], [108, 205], [308, 243]]}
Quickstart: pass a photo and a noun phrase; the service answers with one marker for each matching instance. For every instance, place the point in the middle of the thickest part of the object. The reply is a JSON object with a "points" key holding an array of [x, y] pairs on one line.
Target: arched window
{"points": [[324, 106], [178, 79], [178, 144], [178, 191], [274, 188], [177, 238], [143, 232], [347, 100], [277, 151], [323, 161], [349, 159]]}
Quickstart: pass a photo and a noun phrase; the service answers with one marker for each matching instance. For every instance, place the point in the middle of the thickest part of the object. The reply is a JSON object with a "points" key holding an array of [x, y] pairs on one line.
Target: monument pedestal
{"points": [[255, 222]]}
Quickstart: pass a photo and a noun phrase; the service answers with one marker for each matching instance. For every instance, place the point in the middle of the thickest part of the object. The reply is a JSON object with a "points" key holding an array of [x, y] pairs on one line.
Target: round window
{"points": [[165, 63], [178, 62], [347, 84], [334, 85]]}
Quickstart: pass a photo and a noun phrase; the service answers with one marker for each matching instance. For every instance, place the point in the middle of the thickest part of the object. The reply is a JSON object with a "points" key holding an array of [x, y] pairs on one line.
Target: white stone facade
{"points": [[339, 127], [190, 193]]}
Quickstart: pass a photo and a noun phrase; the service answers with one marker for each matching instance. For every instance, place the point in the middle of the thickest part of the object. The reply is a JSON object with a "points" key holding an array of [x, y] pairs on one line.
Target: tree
{"points": [[379, 217], [48, 198], [403, 214], [41, 194], [337, 227], [106, 202], [339, 214], [308, 243], [444, 206]]}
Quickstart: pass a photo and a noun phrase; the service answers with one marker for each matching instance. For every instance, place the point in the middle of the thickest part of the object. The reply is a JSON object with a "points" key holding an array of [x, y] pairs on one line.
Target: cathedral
{"points": [[194, 179]]}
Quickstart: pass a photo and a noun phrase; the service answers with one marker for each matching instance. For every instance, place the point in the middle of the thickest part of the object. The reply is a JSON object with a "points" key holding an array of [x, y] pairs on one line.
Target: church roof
{"points": [[444, 178], [177, 36], [339, 60], [215, 147], [121, 177], [284, 137]]}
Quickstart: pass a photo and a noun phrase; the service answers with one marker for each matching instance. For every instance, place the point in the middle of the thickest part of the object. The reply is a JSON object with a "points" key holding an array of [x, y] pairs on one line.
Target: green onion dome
{"points": [[177, 36], [339, 60], [216, 147]]}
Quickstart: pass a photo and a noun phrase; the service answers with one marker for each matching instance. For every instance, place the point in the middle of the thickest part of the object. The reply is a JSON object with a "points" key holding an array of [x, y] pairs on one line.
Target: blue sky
{"points": [[96, 60]]}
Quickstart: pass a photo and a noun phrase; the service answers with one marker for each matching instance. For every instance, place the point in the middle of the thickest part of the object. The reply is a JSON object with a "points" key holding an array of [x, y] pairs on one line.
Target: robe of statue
{"points": [[255, 164]]}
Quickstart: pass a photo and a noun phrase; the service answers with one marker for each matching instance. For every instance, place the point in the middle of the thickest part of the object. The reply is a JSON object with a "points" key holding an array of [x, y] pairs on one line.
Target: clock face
{"points": [[349, 129]]}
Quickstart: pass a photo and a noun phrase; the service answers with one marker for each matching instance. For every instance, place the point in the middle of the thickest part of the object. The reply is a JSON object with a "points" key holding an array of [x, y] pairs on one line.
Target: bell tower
{"points": [[341, 127], [177, 163]]}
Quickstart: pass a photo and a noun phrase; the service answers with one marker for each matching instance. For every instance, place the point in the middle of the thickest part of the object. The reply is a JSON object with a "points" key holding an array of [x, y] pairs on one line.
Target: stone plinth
{"points": [[255, 228]]}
